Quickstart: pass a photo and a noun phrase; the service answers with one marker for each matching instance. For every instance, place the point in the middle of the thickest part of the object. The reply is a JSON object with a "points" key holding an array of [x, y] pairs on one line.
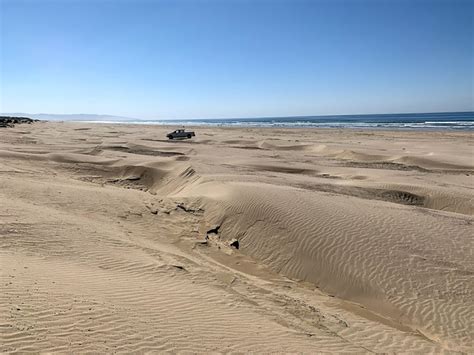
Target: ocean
{"points": [[432, 121]]}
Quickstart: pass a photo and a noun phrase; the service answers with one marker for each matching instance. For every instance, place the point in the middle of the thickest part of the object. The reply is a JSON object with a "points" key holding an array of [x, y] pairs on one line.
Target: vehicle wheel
{"points": [[170, 137], [189, 136]]}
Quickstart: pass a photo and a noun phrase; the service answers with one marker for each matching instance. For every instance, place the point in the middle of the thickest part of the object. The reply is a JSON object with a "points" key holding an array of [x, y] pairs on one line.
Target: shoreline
{"points": [[291, 128]]}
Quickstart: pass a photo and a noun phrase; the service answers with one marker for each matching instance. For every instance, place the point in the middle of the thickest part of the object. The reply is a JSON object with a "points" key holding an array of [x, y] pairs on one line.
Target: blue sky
{"points": [[236, 58]]}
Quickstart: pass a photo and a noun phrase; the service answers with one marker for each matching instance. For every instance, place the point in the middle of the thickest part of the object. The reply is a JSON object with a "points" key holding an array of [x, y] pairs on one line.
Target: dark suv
{"points": [[180, 133]]}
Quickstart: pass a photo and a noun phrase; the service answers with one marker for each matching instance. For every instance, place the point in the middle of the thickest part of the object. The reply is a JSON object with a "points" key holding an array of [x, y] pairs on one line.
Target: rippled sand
{"points": [[114, 238]]}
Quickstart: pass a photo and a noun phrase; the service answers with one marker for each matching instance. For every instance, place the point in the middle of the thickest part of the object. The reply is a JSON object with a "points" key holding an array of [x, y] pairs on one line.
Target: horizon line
{"points": [[233, 118]]}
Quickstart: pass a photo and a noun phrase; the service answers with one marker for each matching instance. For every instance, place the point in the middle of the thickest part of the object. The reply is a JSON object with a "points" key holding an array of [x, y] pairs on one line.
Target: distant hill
{"points": [[70, 117]]}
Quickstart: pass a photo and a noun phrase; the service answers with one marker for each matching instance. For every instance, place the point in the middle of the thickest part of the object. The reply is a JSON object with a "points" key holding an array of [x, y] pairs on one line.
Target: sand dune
{"points": [[358, 251], [115, 239]]}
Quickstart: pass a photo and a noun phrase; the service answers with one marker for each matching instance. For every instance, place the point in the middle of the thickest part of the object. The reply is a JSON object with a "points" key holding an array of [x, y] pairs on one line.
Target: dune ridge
{"points": [[344, 251]]}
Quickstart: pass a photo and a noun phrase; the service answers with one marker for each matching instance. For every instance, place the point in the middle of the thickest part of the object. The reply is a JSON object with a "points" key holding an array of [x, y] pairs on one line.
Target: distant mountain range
{"points": [[69, 117]]}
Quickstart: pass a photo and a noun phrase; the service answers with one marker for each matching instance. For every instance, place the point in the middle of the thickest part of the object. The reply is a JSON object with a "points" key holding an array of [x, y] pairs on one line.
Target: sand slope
{"points": [[115, 239]]}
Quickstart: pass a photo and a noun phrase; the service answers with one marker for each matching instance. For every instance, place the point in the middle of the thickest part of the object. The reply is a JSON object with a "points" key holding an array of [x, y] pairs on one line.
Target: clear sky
{"points": [[236, 58]]}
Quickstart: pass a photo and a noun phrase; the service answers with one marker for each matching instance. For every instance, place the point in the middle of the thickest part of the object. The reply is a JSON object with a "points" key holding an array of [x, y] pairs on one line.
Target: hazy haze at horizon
{"points": [[210, 59]]}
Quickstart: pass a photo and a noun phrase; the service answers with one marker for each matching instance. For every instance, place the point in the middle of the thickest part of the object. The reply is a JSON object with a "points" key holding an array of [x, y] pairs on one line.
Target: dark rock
{"points": [[9, 121]]}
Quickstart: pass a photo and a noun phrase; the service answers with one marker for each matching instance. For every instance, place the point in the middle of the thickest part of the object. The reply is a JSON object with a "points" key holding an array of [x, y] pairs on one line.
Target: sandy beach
{"points": [[116, 239]]}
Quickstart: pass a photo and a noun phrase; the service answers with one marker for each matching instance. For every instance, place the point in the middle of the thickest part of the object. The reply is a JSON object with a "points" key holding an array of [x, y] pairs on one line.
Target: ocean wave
{"points": [[452, 121]]}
